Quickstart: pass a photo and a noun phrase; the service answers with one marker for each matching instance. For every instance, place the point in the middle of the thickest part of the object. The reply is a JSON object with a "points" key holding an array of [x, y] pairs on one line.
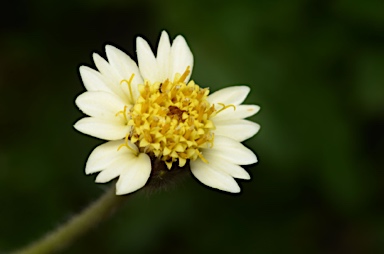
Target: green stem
{"points": [[77, 226]]}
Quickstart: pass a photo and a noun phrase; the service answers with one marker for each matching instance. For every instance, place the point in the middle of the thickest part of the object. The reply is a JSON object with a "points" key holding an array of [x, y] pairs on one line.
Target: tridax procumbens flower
{"points": [[153, 114]]}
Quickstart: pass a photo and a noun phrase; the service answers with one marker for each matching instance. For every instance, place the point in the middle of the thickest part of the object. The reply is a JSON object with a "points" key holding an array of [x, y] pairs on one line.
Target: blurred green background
{"points": [[316, 68]]}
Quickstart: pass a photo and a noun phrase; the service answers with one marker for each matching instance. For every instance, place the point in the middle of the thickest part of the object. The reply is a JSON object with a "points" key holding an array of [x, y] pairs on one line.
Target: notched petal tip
{"points": [[222, 164], [106, 175], [212, 177], [134, 176]]}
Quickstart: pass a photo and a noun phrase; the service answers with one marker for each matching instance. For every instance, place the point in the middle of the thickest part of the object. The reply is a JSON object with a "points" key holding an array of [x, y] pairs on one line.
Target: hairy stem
{"points": [[77, 226]]}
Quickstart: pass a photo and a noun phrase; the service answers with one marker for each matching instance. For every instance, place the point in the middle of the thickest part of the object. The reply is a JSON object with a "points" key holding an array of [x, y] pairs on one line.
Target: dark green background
{"points": [[316, 68]]}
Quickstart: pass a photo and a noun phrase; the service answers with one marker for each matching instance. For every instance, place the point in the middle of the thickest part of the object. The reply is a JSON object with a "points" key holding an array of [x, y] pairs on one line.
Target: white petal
{"points": [[227, 167], [110, 173], [163, 57], [93, 80], [231, 150], [101, 128], [230, 95], [238, 130], [213, 178], [110, 75], [121, 62], [147, 61], [105, 68], [100, 104], [181, 57], [241, 111], [135, 175], [115, 168], [125, 67], [103, 155]]}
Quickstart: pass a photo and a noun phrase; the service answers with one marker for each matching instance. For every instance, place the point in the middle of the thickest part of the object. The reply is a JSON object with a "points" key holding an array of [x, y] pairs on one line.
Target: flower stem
{"points": [[77, 226]]}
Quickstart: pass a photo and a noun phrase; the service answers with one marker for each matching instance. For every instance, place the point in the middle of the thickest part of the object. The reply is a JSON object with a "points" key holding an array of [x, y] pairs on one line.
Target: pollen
{"points": [[170, 120]]}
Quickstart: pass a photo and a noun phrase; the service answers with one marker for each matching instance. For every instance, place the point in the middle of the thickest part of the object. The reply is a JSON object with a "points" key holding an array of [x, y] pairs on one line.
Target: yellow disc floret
{"points": [[171, 120]]}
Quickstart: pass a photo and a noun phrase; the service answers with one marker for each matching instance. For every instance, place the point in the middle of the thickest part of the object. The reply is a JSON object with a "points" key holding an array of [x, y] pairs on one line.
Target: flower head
{"points": [[156, 120]]}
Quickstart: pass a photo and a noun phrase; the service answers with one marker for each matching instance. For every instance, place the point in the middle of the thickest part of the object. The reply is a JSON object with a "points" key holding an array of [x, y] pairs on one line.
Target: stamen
{"points": [[129, 85], [164, 86], [202, 157], [165, 128], [201, 141], [211, 110], [224, 107], [124, 112], [147, 136], [160, 99], [185, 74], [211, 141], [126, 144], [188, 132]]}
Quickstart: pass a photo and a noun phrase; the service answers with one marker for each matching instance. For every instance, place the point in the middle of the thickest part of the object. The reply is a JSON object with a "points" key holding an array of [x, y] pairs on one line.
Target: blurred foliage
{"points": [[315, 67]]}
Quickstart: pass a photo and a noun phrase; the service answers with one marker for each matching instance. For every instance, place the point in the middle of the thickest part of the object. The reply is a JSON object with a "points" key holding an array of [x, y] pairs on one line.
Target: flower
{"points": [[152, 114]]}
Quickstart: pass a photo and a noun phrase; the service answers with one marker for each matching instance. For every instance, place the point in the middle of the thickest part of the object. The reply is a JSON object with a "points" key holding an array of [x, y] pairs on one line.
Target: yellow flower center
{"points": [[171, 120]]}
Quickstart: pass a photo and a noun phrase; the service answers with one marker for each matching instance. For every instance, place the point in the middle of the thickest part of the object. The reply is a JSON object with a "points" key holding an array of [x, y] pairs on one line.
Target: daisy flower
{"points": [[156, 119]]}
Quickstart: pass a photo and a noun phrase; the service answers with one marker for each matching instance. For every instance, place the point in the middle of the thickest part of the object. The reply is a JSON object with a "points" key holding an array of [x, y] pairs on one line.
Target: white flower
{"points": [[152, 112]]}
